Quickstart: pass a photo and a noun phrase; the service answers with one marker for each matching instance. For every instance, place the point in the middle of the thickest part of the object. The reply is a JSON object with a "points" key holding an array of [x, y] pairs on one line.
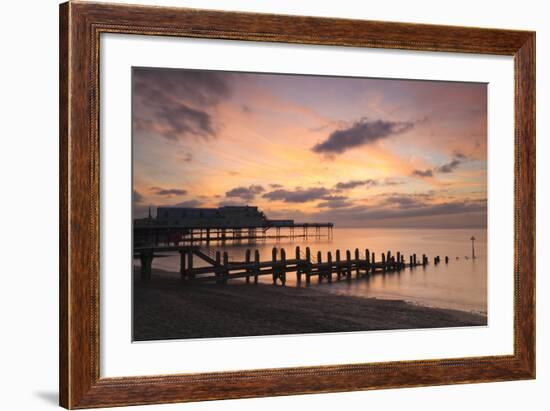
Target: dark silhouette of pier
{"points": [[159, 235], [184, 225]]}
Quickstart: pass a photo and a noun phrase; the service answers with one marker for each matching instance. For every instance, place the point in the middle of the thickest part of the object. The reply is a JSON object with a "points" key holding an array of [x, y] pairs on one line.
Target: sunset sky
{"points": [[353, 151]]}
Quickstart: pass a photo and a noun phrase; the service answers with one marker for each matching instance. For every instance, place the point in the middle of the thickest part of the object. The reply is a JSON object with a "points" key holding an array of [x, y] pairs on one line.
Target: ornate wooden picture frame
{"points": [[81, 25]]}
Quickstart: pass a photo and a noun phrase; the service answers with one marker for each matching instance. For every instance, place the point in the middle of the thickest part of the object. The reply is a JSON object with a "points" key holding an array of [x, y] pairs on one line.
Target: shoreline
{"points": [[167, 309]]}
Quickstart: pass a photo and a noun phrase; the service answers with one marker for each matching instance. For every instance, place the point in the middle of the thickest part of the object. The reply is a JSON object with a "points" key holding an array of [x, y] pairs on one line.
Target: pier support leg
{"points": [[329, 269], [357, 265], [274, 265], [298, 265], [247, 261], [308, 265], [348, 264], [225, 266], [257, 267], [183, 273], [217, 271], [282, 271], [338, 266], [319, 269], [190, 265]]}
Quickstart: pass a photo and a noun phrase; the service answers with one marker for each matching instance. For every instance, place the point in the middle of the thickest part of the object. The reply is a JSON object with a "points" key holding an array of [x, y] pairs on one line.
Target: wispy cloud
{"points": [[423, 173], [168, 191], [298, 195], [361, 133], [245, 193], [346, 185]]}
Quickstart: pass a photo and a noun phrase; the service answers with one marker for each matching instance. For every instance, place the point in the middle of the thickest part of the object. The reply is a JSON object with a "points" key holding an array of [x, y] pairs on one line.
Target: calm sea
{"points": [[461, 284]]}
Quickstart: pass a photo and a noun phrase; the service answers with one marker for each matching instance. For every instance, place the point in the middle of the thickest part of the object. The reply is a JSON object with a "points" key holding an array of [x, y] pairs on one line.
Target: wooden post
{"points": [[308, 265], [247, 262], [274, 264], [388, 259], [226, 266], [373, 263], [411, 261], [329, 261], [414, 259], [282, 271], [399, 260], [217, 271], [319, 271], [383, 262], [338, 266], [190, 274], [182, 264], [257, 265], [146, 259], [367, 261], [298, 265], [357, 265], [446, 259], [348, 264]]}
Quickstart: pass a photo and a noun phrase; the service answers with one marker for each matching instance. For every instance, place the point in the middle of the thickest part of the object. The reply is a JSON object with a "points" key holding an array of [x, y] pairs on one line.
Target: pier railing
{"points": [[220, 269]]}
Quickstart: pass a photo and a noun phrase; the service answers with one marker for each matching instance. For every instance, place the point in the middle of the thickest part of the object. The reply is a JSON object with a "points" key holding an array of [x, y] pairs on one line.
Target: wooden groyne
{"points": [[332, 267]]}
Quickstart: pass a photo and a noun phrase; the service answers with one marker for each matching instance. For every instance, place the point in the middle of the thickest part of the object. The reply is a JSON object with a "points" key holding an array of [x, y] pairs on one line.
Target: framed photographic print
{"points": [[259, 205]]}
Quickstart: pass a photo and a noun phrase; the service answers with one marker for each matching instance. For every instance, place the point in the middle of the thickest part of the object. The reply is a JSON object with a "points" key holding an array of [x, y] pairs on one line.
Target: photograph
{"points": [[270, 204]]}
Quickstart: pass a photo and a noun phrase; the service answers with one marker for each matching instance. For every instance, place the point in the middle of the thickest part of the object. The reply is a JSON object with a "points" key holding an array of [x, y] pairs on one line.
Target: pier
{"points": [[157, 235], [220, 269], [187, 226]]}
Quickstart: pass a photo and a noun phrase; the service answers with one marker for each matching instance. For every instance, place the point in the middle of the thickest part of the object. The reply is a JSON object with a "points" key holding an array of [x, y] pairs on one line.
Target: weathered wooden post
{"points": [[319, 270], [357, 265], [298, 265], [373, 263], [190, 273], [348, 264], [182, 264], [308, 265], [367, 261], [411, 261], [256, 265], [329, 262], [398, 261], [338, 266], [226, 267], [217, 271], [282, 271], [274, 264], [446, 259], [388, 260], [247, 262], [414, 259]]}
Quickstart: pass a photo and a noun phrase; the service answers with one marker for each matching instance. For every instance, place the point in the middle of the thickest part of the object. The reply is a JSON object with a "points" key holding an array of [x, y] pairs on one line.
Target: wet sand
{"points": [[166, 309]]}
